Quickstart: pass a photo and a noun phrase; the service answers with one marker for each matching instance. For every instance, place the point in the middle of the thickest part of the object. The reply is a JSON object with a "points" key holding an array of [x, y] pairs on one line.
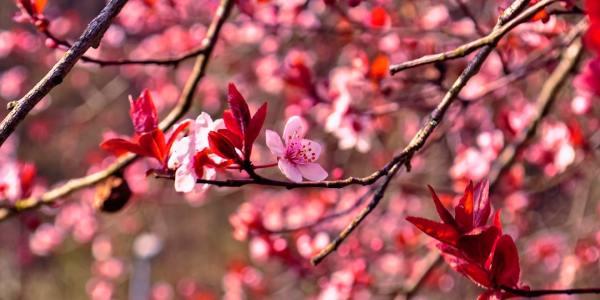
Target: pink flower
{"points": [[185, 149], [296, 158], [45, 239]]}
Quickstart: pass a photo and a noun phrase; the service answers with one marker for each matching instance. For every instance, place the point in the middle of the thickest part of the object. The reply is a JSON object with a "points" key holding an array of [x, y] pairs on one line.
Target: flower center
{"points": [[300, 153]]}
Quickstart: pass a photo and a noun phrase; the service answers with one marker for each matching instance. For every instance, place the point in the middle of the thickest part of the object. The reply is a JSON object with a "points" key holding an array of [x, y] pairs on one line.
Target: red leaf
{"points": [[441, 209], [121, 146], [439, 231], [464, 210], [254, 128], [235, 139], [183, 126], [482, 204], [154, 144], [143, 113], [496, 222], [592, 7], [27, 174], [231, 123], [470, 270], [477, 245], [239, 108], [505, 263], [39, 5], [221, 146]]}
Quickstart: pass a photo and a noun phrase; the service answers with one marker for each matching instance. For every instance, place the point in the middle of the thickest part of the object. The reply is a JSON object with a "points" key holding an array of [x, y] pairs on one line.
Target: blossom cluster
{"points": [[198, 149]]}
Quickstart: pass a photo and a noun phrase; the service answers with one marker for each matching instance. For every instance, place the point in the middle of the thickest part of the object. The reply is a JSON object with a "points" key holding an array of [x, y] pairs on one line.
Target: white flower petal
{"points": [[294, 129], [290, 170], [274, 143], [312, 171], [184, 180]]}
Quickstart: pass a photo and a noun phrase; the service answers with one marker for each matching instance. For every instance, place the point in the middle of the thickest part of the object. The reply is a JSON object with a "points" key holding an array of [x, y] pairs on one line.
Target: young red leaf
{"points": [[473, 271], [463, 212], [482, 204], [154, 143], [477, 245], [439, 231], [235, 139], [231, 123], [441, 209], [239, 108], [119, 147], [496, 221], [254, 128], [221, 146], [143, 113], [505, 263], [180, 128], [27, 175]]}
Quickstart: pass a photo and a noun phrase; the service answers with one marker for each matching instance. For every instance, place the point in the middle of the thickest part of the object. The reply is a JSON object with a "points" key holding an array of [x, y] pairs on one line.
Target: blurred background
{"points": [[326, 61]]}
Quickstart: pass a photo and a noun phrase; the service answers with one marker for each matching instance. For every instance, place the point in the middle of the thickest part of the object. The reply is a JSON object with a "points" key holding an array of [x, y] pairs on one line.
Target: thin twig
{"points": [[422, 135], [468, 48], [91, 36], [545, 100], [172, 61], [539, 293], [183, 105]]}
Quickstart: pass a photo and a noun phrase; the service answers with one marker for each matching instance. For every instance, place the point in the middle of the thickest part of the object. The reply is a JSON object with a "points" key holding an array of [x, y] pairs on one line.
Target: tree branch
{"points": [[173, 61], [92, 34], [507, 157], [491, 39], [539, 293], [183, 105]]}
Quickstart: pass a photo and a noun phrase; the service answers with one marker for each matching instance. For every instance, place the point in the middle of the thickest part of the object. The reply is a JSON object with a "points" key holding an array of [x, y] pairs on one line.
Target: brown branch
{"points": [[172, 61], [183, 105], [491, 39], [539, 293], [92, 34], [546, 99], [507, 157], [423, 134], [332, 246]]}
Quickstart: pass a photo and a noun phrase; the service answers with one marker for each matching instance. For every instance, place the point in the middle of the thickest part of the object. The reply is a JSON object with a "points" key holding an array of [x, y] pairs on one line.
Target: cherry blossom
{"points": [[185, 149], [296, 155]]}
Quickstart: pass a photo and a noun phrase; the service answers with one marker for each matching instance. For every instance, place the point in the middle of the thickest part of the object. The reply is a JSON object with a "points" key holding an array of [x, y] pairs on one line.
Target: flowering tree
{"points": [[322, 135]]}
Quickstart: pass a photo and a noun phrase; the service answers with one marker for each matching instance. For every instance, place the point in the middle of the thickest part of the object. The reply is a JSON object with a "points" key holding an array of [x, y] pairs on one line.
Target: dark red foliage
{"points": [[149, 140], [202, 159], [242, 129], [472, 247], [27, 176], [143, 113], [592, 37], [222, 146]]}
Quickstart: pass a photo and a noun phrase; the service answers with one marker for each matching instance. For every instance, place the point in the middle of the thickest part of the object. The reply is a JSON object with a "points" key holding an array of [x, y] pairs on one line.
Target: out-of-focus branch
{"points": [[546, 99], [91, 36], [172, 61], [491, 39], [423, 134], [539, 293], [183, 105], [507, 157]]}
